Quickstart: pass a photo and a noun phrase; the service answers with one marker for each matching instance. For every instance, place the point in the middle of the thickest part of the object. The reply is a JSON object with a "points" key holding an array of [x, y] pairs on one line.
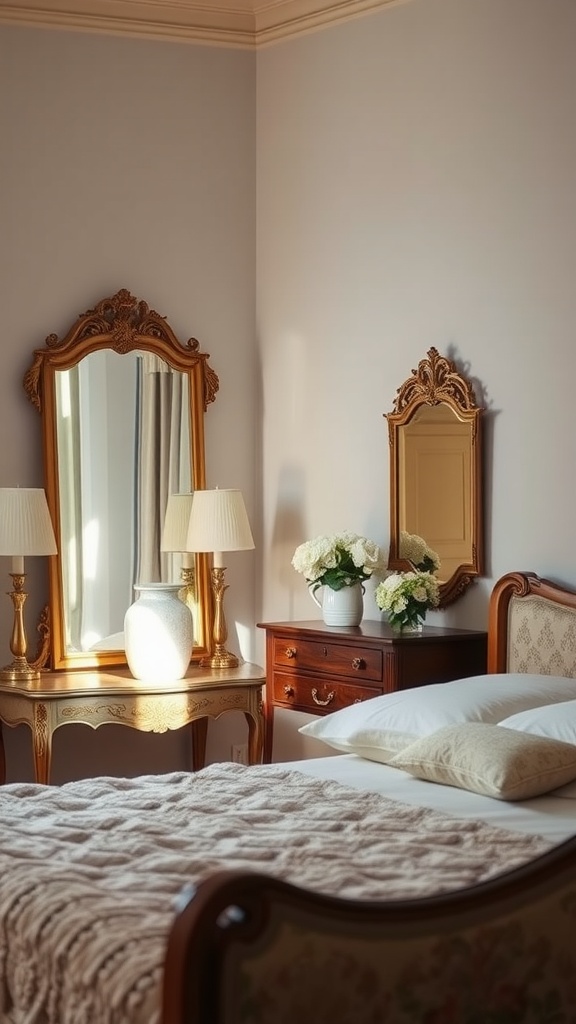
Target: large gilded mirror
{"points": [[436, 472], [122, 403]]}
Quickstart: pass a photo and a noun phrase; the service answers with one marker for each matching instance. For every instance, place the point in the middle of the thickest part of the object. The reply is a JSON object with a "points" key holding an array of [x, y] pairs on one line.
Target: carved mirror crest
{"points": [[122, 402], [436, 472]]}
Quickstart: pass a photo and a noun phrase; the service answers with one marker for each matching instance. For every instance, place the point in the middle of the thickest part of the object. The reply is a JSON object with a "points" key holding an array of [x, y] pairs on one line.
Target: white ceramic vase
{"points": [[344, 607], [158, 634]]}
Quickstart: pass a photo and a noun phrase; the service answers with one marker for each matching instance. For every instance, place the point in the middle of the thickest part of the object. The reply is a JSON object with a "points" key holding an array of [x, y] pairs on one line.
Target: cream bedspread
{"points": [[89, 871]]}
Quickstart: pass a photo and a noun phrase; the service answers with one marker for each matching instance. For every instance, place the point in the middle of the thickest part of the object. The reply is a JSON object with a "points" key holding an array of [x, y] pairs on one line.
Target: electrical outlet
{"points": [[240, 753]]}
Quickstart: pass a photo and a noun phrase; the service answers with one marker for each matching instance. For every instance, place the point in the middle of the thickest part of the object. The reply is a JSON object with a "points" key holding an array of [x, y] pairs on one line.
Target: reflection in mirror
{"points": [[435, 472], [122, 405], [123, 441]]}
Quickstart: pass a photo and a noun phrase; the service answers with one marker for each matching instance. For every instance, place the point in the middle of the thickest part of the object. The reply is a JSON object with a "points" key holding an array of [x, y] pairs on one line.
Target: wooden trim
{"points": [[235, 23], [284, 19]]}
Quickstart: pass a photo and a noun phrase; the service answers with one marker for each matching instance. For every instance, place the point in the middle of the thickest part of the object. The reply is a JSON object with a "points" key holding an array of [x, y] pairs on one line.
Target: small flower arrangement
{"points": [[407, 596], [337, 561], [415, 549]]}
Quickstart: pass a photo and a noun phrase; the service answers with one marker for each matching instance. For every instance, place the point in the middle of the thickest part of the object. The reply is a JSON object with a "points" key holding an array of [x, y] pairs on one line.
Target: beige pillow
{"points": [[490, 759]]}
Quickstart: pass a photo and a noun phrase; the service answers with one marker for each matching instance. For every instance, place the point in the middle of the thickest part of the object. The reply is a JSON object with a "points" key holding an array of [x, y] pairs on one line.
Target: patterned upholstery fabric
{"points": [[519, 966], [542, 637]]}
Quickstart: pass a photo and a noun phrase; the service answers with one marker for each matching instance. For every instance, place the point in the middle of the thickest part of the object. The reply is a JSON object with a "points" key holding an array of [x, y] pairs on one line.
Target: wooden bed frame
{"points": [[249, 949]]}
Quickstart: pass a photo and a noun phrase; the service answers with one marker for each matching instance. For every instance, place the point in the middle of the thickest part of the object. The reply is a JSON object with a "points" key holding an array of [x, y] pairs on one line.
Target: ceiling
{"points": [[240, 23]]}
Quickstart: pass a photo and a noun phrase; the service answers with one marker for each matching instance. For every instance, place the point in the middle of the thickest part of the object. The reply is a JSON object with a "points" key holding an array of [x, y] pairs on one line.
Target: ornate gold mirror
{"points": [[122, 404], [436, 472]]}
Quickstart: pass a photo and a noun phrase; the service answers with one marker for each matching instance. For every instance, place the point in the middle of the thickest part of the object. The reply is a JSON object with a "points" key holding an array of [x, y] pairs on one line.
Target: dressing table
{"points": [[100, 698], [122, 404]]}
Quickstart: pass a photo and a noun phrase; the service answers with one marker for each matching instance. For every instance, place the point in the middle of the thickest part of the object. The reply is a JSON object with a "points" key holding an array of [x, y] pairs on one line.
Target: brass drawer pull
{"points": [[322, 703], [289, 691], [358, 663], [290, 652]]}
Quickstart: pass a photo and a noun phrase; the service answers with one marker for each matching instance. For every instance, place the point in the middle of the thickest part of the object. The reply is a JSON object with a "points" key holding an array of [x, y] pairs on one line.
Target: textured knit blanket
{"points": [[89, 871]]}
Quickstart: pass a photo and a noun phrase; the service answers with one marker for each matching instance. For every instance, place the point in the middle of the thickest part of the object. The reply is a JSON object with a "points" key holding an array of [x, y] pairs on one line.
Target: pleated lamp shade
{"points": [[25, 524], [219, 522], [175, 530]]}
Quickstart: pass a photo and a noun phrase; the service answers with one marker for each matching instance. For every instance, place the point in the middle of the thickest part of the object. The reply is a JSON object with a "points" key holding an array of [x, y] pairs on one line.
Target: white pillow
{"points": [[556, 721], [489, 759], [378, 728]]}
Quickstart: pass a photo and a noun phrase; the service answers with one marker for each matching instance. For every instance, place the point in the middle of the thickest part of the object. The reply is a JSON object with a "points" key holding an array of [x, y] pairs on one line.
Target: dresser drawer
{"points": [[318, 696], [348, 661]]}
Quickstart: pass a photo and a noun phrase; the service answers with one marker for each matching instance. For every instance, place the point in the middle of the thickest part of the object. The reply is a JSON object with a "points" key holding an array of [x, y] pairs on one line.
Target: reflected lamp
{"points": [[174, 539]]}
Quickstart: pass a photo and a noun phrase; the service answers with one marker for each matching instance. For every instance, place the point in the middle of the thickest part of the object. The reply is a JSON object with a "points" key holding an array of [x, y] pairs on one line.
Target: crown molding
{"points": [[282, 19], [228, 23], [237, 23]]}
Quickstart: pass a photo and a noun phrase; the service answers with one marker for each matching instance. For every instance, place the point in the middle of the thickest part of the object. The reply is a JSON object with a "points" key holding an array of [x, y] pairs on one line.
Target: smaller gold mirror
{"points": [[436, 472]]}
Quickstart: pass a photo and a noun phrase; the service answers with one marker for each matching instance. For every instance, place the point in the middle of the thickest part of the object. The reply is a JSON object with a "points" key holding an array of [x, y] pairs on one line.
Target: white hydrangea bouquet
{"points": [[406, 597], [415, 549], [337, 561]]}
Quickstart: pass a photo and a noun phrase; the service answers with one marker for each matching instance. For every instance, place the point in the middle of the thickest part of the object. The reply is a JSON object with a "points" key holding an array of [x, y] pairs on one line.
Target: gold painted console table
{"points": [[99, 698]]}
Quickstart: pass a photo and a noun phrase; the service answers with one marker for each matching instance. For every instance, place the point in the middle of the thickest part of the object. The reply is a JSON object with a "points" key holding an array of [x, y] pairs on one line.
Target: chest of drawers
{"points": [[319, 669]]}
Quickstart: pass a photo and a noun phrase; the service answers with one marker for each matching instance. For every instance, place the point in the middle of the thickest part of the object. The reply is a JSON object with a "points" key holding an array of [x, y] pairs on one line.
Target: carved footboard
{"points": [[246, 949]]}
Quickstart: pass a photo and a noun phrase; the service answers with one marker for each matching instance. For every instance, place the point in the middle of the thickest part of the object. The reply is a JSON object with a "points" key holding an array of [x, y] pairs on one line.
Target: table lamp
{"points": [[25, 529], [174, 538], [218, 523]]}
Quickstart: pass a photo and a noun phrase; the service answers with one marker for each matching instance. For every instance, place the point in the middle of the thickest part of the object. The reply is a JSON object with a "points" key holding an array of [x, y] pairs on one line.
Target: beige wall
{"points": [[414, 172], [126, 163]]}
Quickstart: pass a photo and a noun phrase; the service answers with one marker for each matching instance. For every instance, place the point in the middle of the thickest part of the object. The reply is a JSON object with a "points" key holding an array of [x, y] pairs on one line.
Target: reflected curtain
{"points": [[162, 461], [69, 436]]}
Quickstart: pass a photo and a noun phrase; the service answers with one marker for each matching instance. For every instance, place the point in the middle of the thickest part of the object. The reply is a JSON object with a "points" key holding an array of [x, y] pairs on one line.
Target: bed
{"points": [[425, 872]]}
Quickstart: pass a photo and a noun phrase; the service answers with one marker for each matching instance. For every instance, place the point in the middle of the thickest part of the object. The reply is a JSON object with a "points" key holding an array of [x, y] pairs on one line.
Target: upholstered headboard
{"points": [[532, 626]]}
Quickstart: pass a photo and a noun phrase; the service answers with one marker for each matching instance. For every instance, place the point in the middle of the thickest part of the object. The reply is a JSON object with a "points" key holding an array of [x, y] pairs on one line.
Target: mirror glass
{"points": [[122, 404], [435, 472]]}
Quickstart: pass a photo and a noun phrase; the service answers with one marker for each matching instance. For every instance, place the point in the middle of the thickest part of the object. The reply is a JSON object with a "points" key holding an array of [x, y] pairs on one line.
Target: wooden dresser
{"points": [[319, 669]]}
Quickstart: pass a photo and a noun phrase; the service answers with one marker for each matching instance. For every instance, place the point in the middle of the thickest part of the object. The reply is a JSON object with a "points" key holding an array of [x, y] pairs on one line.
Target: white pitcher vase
{"points": [[344, 607], [158, 634]]}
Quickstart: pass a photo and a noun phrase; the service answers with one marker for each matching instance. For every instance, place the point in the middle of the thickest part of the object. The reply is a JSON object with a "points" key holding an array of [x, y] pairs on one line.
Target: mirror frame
{"points": [[122, 323], [437, 381]]}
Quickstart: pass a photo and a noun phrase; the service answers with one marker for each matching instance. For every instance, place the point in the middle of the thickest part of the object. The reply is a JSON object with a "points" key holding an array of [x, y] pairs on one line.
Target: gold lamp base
{"points": [[19, 670], [221, 658], [187, 592]]}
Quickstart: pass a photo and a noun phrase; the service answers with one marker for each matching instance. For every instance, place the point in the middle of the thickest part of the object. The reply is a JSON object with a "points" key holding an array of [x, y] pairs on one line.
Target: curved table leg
{"points": [[199, 729], [42, 744], [255, 736], [268, 730]]}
